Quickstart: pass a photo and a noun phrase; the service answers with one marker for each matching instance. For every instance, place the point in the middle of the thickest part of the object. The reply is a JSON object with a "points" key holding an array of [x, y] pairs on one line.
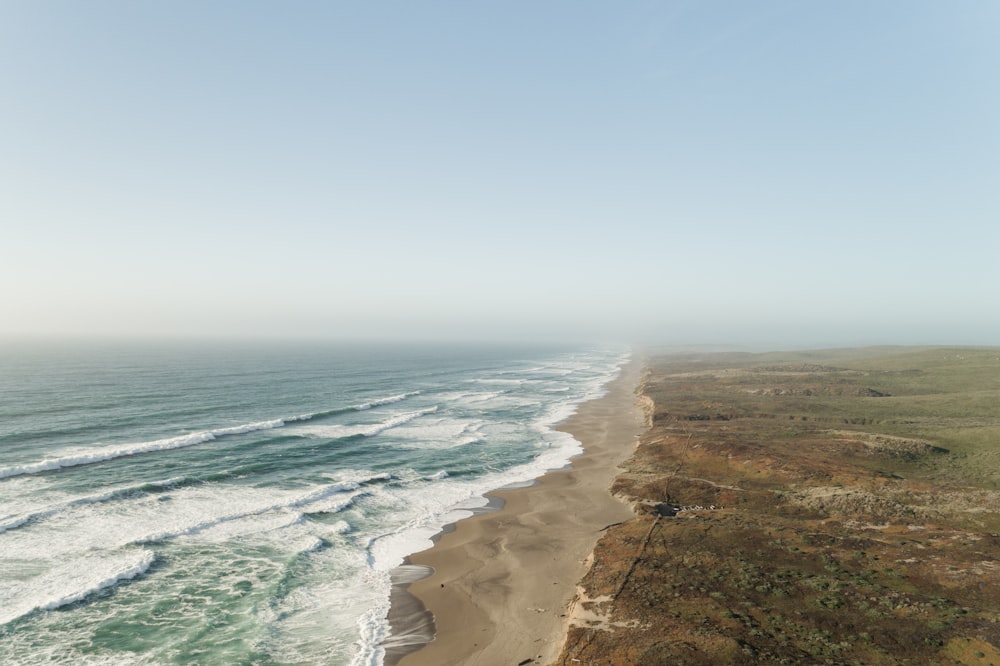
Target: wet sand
{"points": [[502, 580]]}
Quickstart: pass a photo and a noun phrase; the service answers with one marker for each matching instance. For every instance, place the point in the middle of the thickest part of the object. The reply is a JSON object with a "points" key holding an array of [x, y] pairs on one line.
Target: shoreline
{"points": [[500, 582]]}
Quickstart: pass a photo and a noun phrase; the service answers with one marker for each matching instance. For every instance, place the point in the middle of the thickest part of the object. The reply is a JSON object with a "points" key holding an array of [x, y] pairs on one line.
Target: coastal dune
{"points": [[503, 580]]}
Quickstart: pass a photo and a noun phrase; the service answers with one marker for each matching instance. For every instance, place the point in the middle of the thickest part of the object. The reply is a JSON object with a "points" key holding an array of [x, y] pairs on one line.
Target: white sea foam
{"points": [[266, 526], [372, 627], [557, 372], [399, 420], [202, 516], [52, 509], [362, 429], [311, 544], [385, 401], [207, 512], [440, 433], [332, 431], [473, 401], [321, 493], [9, 523], [341, 527], [358, 476], [72, 581], [499, 381]]}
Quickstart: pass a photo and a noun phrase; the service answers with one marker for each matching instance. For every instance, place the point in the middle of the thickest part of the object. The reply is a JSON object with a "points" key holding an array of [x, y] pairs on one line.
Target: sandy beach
{"points": [[502, 580]]}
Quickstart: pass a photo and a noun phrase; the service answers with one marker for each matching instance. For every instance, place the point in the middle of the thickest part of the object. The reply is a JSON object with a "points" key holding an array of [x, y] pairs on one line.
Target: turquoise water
{"points": [[238, 504]]}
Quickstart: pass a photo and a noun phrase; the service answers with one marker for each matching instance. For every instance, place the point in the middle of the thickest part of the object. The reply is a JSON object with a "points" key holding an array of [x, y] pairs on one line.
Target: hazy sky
{"points": [[766, 172]]}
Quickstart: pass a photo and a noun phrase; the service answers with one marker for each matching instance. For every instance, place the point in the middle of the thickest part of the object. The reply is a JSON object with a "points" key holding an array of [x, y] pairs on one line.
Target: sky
{"points": [[763, 173]]}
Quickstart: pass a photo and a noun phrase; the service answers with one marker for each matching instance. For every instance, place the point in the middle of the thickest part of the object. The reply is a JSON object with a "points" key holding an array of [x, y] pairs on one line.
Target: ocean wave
{"points": [[398, 421], [385, 401], [359, 476], [362, 429], [499, 380], [373, 628], [106, 453], [332, 498], [481, 397], [72, 582], [364, 406], [341, 527], [127, 492], [320, 494], [210, 513], [440, 435], [13, 522], [123, 493], [314, 545]]}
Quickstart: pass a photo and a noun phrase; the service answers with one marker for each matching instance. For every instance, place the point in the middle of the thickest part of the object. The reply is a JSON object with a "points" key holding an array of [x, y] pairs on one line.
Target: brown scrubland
{"points": [[826, 507]]}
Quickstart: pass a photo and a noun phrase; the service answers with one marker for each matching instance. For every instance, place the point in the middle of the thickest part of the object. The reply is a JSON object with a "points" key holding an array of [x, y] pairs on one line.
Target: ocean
{"points": [[213, 503]]}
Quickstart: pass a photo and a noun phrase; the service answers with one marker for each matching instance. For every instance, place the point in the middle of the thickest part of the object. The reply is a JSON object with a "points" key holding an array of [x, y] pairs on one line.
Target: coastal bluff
{"points": [[837, 506]]}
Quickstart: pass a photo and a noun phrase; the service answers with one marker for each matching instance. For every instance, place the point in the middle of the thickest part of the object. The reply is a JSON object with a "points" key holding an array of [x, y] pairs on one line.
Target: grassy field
{"points": [[833, 506]]}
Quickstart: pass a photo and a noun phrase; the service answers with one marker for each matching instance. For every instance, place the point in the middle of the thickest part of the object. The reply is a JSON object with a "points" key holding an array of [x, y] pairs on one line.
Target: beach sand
{"points": [[502, 580]]}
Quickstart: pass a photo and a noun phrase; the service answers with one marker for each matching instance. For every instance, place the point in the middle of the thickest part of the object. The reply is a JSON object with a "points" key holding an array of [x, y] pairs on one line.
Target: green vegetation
{"points": [[835, 507]]}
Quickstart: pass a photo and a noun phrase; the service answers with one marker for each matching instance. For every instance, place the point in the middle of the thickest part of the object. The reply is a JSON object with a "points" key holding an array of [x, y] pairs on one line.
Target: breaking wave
{"points": [[75, 581], [106, 453], [338, 496], [362, 430], [385, 401], [103, 454]]}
